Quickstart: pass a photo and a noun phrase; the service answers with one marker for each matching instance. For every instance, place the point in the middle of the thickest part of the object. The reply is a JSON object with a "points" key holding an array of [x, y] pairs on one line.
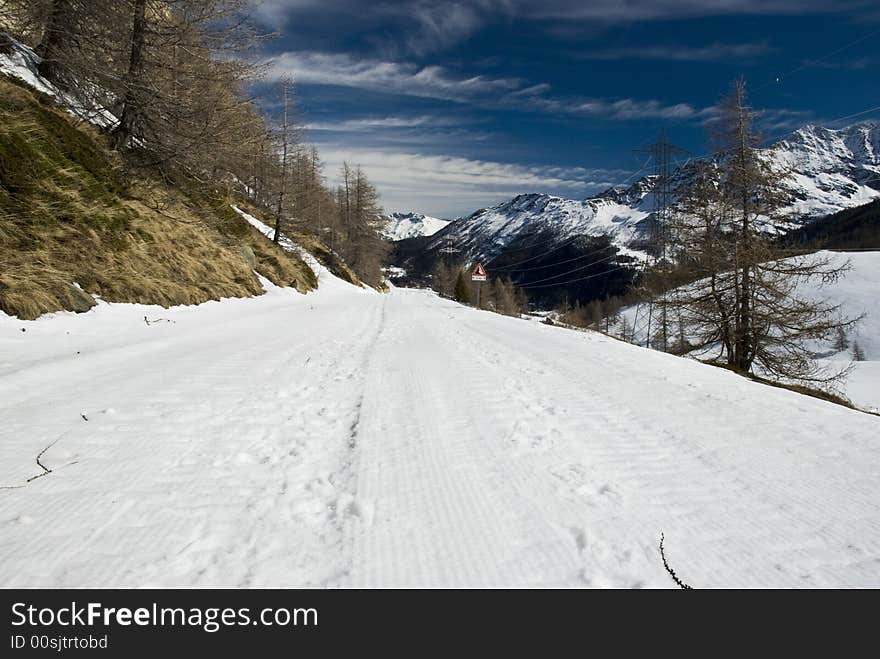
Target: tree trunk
{"points": [[744, 342], [284, 137], [57, 34], [130, 103]]}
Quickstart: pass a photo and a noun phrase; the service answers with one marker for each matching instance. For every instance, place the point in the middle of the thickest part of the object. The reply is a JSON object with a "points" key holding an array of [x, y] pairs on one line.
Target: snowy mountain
{"points": [[411, 225], [487, 232], [829, 170]]}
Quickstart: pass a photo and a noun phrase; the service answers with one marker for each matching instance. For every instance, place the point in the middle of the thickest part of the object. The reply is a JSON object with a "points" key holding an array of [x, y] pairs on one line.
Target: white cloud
{"points": [[438, 25], [401, 78], [436, 82], [448, 186], [624, 109], [441, 25], [275, 12], [353, 125], [627, 11]]}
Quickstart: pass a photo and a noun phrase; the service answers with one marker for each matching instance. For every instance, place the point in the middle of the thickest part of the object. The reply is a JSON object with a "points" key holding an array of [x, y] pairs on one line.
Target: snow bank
{"points": [[324, 275], [856, 292]]}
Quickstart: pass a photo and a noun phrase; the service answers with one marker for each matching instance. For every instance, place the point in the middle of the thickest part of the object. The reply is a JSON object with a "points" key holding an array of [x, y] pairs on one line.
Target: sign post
{"points": [[479, 275]]}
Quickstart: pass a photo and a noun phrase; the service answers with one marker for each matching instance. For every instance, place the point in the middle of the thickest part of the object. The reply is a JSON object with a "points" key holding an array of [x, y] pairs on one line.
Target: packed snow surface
{"points": [[346, 438]]}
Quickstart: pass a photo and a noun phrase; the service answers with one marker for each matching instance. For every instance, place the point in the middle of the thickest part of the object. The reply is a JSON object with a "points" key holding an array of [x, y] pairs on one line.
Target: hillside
{"points": [[853, 228], [73, 227]]}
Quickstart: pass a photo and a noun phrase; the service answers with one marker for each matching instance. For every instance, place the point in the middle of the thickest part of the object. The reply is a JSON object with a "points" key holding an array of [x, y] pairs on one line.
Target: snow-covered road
{"points": [[347, 438]]}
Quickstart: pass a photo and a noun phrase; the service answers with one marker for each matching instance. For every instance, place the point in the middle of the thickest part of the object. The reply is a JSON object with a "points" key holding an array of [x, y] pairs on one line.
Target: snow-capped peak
{"points": [[828, 170], [410, 225]]}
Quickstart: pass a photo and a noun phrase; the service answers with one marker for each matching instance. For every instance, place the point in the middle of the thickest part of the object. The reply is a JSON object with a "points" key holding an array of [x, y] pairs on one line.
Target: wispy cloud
{"points": [[408, 79], [350, 125], [709, 53], [628, 11], [415, 27], [777, 121], [441, 25], [396, 77], [450, 186], [624, 109], [533, 90], [426, 25]]}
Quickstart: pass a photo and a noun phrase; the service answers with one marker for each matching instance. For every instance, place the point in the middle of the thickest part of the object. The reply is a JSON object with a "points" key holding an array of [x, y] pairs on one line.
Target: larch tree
{"points": [[750, 302], [286, 84], [443, 278]]}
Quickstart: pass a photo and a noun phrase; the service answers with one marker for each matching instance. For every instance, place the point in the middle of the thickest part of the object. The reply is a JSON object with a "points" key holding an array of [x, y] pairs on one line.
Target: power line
{"points": [[567, 242], [662, 151], [857, 114], [576, 258], [583, 267], [572, 281], [810, 63]]}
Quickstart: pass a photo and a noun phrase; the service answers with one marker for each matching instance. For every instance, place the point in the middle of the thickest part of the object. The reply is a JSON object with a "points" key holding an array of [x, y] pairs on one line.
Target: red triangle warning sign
{"points": [[479, 273]]}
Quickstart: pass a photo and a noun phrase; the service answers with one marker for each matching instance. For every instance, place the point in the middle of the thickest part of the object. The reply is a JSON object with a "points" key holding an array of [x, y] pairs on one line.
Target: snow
{"points": [[324, 276], [22, 64], [487, 232], [401, 226], [346, 438], [856, 293]]}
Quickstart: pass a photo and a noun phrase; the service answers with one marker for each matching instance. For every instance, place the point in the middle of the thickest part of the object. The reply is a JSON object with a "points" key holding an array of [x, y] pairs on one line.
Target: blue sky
{"points": [[452, 106]]}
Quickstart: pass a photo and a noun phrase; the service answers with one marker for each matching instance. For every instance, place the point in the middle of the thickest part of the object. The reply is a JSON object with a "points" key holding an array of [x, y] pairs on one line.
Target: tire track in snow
{"points": [[440, 514], [348, 509]]}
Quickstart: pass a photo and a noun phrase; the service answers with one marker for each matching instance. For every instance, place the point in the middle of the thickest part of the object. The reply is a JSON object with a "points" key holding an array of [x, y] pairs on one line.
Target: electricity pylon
{"points": [[663, 152]]}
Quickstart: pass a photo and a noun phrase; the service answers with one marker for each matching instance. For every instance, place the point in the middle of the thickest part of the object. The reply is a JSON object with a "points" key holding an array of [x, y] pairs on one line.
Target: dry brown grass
{"points": [[66, 218]]}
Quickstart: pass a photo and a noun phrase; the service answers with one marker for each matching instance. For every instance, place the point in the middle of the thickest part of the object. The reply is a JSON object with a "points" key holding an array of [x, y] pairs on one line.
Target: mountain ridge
{"points": [[829, 170]]}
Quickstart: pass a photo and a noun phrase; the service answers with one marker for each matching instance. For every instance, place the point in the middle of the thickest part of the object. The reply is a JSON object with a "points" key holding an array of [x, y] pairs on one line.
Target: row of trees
{"points": [[497, 294], [746, 299], [172, 82], [600, 315], [172, 74]]}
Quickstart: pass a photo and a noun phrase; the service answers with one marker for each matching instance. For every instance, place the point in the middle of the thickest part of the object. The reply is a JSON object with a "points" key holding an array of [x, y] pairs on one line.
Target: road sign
{"points": [[479, 273]]}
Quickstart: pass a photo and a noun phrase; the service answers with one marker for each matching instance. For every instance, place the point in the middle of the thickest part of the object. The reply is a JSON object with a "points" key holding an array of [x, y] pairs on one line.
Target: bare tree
{"points": [[56, 36], [131, 100], [750, 301], [443, 278], [286, 84]]}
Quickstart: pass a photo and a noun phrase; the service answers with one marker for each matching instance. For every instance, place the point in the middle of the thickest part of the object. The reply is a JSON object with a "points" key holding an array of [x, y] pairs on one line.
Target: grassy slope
{"points": [[67, 216]]}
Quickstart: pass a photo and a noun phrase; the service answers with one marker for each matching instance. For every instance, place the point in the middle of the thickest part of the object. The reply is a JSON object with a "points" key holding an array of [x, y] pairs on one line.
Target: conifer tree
{"points": [[748, 303], [462, 292]]}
